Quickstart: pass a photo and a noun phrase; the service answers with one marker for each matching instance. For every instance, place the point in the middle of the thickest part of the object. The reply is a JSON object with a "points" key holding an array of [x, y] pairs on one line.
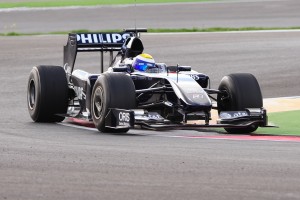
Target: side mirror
{"points": [[179, 68]]}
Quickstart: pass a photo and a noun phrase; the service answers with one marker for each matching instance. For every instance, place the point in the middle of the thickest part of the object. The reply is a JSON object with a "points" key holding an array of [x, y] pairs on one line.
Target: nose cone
{"points": [[190, 93]]}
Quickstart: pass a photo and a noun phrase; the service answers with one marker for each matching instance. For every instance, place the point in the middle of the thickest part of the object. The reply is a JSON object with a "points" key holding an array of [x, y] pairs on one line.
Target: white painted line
{"points": [[29, 9], [228, 32], [77, 126], [291, 97], [26, 9]]}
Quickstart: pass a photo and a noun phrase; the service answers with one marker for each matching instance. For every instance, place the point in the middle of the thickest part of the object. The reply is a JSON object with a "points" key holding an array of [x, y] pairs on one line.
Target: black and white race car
{"points": [[121, 98]]}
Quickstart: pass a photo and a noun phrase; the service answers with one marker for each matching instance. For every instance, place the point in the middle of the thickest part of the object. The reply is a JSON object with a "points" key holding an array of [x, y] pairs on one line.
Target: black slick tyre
{"points": [[111, 90], [47, 94], [242, 91]]}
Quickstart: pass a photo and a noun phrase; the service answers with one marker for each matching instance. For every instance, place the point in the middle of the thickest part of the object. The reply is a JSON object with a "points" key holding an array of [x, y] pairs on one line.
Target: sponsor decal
{"points": [[124, 119], [99, 38], [155, 116], [198, 96], [194, 76], [233, 114]]}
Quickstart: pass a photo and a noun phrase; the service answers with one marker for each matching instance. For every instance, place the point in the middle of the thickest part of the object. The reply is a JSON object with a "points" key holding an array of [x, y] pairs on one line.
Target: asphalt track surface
{"points": [[52, 161], [236, 13]]}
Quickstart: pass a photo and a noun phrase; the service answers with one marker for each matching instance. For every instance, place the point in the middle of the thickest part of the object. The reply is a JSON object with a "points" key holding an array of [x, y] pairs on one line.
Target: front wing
{"points": [[120, 118]]}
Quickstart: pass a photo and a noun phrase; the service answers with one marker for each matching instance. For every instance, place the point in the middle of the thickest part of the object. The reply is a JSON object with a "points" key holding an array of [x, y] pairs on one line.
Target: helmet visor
{"points": [[142, 65]]}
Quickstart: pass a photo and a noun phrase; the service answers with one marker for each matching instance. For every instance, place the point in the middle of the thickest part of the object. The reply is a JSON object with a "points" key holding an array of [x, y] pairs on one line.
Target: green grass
{"points": [[288, 122], [155, 30], [63, 3]]}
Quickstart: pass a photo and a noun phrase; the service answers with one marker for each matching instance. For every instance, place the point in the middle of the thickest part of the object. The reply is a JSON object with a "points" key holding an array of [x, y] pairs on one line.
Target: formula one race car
{"points": [[137, 92]]}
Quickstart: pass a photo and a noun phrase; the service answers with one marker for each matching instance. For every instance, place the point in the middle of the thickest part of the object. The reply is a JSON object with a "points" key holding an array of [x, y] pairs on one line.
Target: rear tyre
{"points": [[242, 91], [47, 94], [111, 90]]}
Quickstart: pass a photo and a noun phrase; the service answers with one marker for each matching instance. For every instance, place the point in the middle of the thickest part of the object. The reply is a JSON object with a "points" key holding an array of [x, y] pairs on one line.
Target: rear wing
{"points": [[91, 42]]}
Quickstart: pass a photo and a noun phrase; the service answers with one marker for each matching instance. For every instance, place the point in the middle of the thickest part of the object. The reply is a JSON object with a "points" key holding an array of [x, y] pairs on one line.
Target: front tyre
{"points": [[111, 90], [47, 94], [241, 91]]}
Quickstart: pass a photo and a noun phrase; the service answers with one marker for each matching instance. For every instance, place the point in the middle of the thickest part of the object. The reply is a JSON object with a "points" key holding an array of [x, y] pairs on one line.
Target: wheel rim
{"points": [[98, 103], [31, 94]]}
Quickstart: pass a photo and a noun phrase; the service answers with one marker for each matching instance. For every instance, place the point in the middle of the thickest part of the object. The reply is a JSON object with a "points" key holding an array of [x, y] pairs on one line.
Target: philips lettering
{"points": [[99, 38]]}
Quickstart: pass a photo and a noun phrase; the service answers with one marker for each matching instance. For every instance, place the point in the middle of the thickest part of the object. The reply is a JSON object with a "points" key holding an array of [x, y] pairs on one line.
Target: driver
{"points": [[143, 62]]}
